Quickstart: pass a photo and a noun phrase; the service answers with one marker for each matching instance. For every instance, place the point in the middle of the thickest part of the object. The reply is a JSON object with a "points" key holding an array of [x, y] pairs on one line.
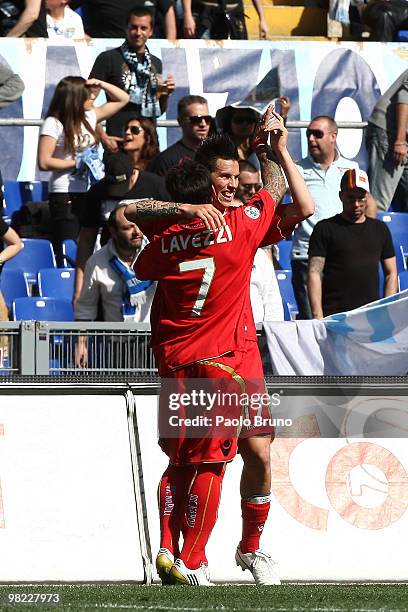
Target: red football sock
{"points": [[172, 490], [254, 514], [201, 512]]}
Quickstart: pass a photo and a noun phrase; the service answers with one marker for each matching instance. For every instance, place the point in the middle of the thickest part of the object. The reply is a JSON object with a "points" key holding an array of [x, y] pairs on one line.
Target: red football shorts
{"points": [[205, 407]]}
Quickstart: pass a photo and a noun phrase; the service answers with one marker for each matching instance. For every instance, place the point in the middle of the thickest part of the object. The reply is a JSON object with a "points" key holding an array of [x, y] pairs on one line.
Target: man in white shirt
{"points": [[110, 280], [266, 301]]}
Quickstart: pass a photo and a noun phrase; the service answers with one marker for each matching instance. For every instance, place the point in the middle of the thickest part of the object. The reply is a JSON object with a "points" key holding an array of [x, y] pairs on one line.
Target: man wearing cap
{"points": [[322, 170], [195, 121], [109, 279], [103, 197], [344, 253]]}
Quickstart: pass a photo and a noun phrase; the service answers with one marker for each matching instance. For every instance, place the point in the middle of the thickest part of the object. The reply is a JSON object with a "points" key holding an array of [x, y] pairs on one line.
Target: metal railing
{"points": [[173, 123], [29, 347], [63, 348]]}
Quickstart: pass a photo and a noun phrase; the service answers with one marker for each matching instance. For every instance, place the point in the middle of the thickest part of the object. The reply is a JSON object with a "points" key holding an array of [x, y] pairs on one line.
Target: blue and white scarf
{"points": [[141, 83], [132, 287]]}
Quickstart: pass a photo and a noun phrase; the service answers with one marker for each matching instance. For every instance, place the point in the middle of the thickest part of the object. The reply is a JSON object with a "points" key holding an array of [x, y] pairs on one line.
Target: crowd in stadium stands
{"points": [[376, 20]]}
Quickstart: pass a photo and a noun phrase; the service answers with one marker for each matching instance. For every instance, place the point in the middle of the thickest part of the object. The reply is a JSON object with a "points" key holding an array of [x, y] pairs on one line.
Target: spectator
{"points": [[107, 18], [11, 85], [11, 89], [140, 142], [249, 181], [220, 19], [132, 68], [322, 170], [63, 22], [239, 124], [110, 280], [67, 148], [384, 18], [194, 119], [23, 18], [124, 178], [386, 141], [346, 250], [266, 301], [13, 245]]}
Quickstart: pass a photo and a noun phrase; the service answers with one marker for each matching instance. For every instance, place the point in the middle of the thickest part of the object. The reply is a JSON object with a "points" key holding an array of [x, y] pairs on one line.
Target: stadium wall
{"points": [[79, 467], [340, 79]]}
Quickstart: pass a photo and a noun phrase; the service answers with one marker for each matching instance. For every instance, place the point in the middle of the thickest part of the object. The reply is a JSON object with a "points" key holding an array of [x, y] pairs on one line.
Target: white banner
{"points": [[338, 512], [67, 505]]}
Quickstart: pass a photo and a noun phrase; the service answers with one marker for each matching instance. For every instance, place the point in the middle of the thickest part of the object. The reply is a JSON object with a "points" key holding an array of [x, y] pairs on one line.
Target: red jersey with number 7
{"points": [[201, 308]]}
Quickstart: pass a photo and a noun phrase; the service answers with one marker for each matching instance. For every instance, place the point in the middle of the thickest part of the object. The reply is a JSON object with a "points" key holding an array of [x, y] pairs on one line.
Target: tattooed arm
{"points": [[314, 285], [275, 159], [145, 211]]}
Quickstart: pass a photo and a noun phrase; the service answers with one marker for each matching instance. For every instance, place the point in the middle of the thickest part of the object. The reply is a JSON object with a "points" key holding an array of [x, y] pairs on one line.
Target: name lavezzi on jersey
{"points": [[206, 237]]}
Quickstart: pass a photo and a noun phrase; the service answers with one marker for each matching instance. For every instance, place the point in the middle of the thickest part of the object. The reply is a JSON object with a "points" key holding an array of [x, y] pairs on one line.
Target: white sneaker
{"points": [[164, 563], [180, 574], [263, 568]]}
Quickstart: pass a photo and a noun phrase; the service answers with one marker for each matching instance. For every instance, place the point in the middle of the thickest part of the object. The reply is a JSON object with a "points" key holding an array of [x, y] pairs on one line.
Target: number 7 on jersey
{"points": [[208, 265]]}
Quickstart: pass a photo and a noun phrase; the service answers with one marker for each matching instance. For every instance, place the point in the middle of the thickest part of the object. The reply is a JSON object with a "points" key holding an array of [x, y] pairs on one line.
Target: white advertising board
{"points": [[67, 506], [338, 512]]}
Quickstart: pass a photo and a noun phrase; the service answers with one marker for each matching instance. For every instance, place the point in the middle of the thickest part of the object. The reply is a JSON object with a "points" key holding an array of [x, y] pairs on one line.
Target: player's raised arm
{"points": [[142, 211], [275, 158]]}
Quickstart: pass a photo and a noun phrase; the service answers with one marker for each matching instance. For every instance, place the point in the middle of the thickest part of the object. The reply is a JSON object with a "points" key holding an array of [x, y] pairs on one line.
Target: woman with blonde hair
{"points": [[68, 148]]}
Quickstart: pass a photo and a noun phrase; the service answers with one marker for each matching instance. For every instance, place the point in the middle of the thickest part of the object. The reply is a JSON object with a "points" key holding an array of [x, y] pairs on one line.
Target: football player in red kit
{"points": [[202, 328]]}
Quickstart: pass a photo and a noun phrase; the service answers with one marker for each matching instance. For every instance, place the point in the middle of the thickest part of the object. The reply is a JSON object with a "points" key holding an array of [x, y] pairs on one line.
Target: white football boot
{"points": [[261, 565], [180, 574]]}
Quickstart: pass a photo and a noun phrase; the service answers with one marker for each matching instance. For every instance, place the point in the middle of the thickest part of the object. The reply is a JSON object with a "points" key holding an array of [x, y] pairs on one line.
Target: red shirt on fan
{"points": [[201, 308]]}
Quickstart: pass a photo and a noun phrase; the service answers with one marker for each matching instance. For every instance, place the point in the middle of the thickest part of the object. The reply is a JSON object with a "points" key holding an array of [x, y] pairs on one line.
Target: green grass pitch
{"points": [[225, 598]]}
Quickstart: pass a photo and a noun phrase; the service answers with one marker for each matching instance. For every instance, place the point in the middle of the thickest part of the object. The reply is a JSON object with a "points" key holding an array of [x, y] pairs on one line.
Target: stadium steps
{"points": [[288, 19]]}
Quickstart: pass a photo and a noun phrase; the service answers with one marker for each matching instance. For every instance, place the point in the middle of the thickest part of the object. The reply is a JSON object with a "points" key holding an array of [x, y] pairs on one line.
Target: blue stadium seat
{"points": [[69, 251], [402, 36], [42, 309], [403, 280], [56, 282], [17, 193], [13, 284], [284, 249], [36, 254], [397, 223], [284, 278], [44, 191]]}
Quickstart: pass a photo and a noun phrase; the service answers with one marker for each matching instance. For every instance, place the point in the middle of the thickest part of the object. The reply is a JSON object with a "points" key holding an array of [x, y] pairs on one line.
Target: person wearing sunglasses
{"points": [[322, 170], [195, 122], [239, 124]]}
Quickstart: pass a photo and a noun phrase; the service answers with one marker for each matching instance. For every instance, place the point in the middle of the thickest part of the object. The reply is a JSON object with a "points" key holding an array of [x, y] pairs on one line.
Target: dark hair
{"points": [[332, 124], [67, 105], [151, 146], [217, 146], [226, 127], [112, 221], [184, 102], [246, 166], [190, 183], [140, 11]]}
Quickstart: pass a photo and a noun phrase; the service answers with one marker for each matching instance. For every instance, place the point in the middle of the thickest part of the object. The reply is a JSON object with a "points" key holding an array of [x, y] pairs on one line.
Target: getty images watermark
{"points": [[217, 408]]}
